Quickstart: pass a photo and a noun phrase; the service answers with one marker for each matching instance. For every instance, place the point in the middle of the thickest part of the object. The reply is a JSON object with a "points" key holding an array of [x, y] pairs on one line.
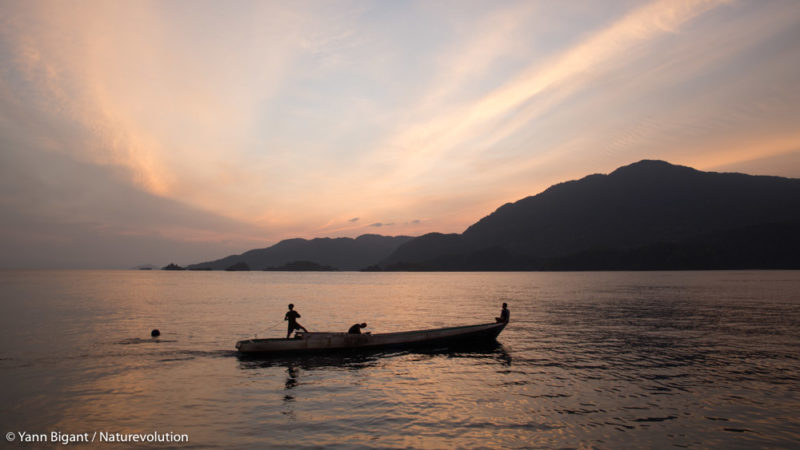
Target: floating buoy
{"points": [[155, 333]]}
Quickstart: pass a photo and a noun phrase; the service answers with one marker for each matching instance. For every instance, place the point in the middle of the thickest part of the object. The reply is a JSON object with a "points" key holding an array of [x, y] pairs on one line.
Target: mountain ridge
{"points": [[635, 206], [648, 215]]}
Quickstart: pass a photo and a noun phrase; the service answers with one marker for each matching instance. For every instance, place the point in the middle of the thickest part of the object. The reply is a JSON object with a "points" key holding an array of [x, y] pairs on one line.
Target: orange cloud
{"points": [[420, 146]]}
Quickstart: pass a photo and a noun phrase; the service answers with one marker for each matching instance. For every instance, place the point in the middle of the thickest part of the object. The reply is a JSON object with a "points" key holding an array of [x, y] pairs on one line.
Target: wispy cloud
{"points": [[420, 146], [151, 101]]}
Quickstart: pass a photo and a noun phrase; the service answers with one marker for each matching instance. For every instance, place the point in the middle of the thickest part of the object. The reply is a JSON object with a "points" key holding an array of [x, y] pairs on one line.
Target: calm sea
{"points": [[605, 360]]}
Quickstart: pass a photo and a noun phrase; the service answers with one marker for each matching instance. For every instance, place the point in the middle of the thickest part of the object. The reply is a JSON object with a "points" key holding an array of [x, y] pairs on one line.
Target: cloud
{"points": [[155, 100], [422, 145], [59, 210], [354, 219], [62, 213]]}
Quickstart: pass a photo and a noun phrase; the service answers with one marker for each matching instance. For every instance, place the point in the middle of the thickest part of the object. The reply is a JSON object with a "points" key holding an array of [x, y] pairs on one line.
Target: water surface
{"points": [[607, 360]]}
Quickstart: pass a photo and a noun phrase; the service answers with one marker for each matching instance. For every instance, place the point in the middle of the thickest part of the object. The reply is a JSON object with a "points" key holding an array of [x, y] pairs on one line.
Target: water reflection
{"points": [[365, 359], [291, 381], [390, 390], [308, 362]]}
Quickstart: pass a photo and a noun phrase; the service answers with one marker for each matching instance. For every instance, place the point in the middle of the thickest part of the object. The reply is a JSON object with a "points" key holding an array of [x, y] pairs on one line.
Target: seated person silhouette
{"points": [[505, 314], [356, 329]]}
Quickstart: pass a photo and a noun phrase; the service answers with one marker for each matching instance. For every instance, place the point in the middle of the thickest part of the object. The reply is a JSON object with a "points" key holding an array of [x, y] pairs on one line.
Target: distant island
{"points": [[302, 266], [238, 267], [650, 215], [341, 253]]}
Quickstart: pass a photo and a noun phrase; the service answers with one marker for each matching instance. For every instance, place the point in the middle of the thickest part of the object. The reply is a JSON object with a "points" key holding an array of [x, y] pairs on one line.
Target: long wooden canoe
{"points": [[325, 342]]}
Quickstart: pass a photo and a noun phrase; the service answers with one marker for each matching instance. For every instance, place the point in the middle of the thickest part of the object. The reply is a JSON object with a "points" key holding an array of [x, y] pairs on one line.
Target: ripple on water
{"points": [[609, 360]]}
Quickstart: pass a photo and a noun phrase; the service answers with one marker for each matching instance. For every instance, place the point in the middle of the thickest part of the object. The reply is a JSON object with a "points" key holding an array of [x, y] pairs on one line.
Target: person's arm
{"points": [[286, 317]]}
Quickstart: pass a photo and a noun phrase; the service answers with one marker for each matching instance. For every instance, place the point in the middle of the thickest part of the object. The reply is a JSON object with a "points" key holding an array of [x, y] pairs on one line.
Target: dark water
{"points": [[606, 360]]}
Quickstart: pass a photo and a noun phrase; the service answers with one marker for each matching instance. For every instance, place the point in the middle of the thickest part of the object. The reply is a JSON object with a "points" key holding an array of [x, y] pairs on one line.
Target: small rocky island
{"points": [[302, 266], [238, 267]]}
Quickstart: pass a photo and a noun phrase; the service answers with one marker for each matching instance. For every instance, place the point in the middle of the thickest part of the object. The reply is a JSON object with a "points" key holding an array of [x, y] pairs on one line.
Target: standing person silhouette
{"points": [[292, 317], [505, 314]]}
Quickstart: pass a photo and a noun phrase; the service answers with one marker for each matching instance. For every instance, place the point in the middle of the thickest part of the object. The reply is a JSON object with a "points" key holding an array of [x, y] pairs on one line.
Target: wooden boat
{"points": [[326, 342]]}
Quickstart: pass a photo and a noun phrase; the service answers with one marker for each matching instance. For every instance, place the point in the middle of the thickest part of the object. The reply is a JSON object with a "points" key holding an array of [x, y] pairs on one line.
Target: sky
{"points": [[148, 132]]}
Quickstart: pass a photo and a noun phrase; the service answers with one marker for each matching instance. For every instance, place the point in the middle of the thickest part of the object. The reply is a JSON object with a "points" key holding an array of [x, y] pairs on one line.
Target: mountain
{"points": [[648, 215], [339, 253]]}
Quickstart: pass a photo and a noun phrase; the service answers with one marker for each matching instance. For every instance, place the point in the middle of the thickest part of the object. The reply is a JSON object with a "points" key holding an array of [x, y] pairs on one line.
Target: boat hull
{"points": [[329, 342]]}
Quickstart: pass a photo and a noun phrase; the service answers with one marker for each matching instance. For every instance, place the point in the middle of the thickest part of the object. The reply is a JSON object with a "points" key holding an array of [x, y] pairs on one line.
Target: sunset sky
{"points": [[136, 132]]}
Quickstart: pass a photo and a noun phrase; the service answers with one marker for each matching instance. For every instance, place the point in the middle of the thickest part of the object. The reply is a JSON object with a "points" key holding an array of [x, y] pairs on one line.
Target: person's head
{"points": [[291, 305], [505, 305], [363, 325]]}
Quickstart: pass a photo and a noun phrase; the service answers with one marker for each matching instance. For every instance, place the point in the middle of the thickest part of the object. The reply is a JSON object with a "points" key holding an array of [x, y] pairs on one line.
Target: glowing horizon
{"points": [[200, 129]]}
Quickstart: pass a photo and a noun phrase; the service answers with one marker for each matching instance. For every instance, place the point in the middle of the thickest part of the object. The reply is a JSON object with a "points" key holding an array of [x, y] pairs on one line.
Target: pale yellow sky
{"points": [[188, 130]]}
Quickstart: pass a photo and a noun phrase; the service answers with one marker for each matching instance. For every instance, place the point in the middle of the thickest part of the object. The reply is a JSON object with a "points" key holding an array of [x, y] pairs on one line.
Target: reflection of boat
{"points": [[323, 342], [488, 349]]}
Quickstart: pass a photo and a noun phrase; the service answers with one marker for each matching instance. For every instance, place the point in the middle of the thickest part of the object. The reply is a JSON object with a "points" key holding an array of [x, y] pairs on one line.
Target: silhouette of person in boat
{"points": [[292, 317], [505, 314], [356, 329]]}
